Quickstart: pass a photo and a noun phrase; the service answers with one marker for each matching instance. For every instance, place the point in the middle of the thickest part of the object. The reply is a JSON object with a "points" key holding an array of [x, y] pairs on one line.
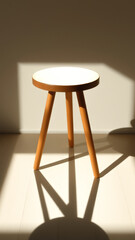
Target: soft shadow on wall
{"points": [[59, 32]]}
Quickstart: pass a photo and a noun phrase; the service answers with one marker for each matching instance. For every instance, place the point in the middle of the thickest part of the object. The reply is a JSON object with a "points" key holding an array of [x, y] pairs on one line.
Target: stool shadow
{"points": [[69, 226], [109, 144]]}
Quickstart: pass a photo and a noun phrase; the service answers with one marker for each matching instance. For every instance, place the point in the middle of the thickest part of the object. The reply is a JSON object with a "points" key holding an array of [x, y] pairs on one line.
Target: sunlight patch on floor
{"points": [[65, 187]]}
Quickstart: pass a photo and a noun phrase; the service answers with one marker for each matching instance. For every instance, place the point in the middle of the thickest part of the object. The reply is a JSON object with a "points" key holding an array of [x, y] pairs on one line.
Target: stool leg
{"points": [[44, 128], [88, 135], [69, 107]]}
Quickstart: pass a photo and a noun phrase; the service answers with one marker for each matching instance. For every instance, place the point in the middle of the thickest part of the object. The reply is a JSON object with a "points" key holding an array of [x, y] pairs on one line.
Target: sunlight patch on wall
{"points": [[110, 105]]}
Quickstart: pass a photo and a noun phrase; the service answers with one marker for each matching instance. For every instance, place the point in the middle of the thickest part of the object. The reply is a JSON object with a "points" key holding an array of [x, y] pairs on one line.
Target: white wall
{"points": [[96, 35], [110, 104]]}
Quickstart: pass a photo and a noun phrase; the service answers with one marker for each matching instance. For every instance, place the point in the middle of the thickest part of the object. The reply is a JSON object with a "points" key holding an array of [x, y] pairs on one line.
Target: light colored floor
{"points": [[62, 200]]}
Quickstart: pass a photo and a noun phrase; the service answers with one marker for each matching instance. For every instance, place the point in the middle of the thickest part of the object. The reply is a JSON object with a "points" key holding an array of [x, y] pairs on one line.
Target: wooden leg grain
{"points": [[44, 128], [69, 107], [88, 135]]}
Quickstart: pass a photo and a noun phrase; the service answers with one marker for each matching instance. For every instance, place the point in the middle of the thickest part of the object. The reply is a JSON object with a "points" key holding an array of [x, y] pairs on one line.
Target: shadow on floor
{"points": [[69, 226], [25, 235], [63, 228], [58, 143]]}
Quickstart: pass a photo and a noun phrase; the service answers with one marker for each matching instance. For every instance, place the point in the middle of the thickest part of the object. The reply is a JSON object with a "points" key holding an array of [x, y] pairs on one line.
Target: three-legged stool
{"points": [[68, 80]]}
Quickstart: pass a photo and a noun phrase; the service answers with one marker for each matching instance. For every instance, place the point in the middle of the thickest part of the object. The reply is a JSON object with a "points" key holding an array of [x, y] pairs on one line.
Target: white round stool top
{"points": [[65, 79]]}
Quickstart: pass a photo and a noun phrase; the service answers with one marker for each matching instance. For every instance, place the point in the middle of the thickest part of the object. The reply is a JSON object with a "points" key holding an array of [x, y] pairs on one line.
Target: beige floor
{"points": [[62, 200]]}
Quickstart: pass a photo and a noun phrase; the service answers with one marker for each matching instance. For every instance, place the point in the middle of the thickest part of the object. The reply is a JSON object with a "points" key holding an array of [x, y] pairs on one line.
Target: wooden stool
{"points": [[68, 80]]}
